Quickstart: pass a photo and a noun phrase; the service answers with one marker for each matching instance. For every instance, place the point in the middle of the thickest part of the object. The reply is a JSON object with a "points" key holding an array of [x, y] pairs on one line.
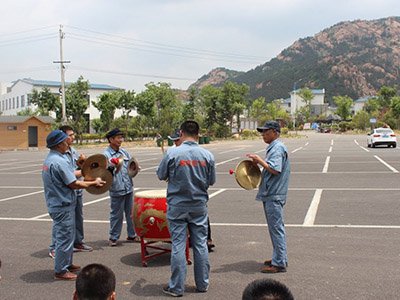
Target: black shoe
{"points": [[168, 291]]}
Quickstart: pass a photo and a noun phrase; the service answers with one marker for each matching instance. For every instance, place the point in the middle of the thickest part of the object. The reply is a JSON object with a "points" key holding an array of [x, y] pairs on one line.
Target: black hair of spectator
{"points": [[190, 128], [266, 289], [95, 282], [65, 128]]}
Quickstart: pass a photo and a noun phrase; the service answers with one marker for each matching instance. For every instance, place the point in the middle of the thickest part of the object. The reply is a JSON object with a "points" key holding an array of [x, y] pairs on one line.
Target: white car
{"points": [[381, 136]]}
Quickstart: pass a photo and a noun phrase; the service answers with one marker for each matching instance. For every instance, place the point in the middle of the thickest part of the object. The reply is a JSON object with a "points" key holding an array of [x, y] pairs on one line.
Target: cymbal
{"points": [[133, 167], [248, 175], [94, 162], [103, 174]]}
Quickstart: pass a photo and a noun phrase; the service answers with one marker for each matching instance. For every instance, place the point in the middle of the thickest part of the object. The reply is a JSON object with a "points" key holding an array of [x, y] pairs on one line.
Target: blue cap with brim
{"points": [[175, 136], [114, 132], [55, 137], [270, 125]]}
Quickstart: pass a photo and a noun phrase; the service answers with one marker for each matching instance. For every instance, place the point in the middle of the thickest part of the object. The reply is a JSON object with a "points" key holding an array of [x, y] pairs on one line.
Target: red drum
{"points": [[149, 215]]}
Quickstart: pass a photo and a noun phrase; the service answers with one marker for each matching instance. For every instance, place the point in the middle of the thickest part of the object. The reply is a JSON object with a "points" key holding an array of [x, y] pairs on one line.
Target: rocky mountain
{"points": [[350, 58]]}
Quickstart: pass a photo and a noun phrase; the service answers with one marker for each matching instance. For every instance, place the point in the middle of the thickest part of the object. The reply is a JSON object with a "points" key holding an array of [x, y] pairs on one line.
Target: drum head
{"points": [[152, 194], [92, 163], [248, 175], [103, 174]]}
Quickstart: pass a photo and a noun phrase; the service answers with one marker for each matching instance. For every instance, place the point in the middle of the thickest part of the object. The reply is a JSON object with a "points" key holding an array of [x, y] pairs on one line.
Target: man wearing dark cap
{"points": [[272, 192], [59, 184], [121, 191]]}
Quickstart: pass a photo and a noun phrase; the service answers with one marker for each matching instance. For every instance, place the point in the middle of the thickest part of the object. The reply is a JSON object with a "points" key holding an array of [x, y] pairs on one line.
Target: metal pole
{"points": [[64, 115]]}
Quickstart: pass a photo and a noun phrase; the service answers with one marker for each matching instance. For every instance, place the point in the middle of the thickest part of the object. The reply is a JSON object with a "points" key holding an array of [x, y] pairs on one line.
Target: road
{"points": [[342, 220]]}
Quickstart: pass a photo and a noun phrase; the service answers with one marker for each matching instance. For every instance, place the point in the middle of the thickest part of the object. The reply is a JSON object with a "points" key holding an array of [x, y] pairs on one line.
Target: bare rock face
{"points": [[350, 58]]}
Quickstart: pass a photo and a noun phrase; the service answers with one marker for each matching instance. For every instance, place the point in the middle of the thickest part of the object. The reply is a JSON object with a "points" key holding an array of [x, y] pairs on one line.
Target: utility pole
{"points": [[62, 68]]}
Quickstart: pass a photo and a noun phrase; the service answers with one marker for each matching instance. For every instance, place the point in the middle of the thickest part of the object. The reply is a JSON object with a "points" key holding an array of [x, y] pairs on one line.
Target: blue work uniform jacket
{"points": [[275, 187], [190, 170], [57, 174], [122, 183]]}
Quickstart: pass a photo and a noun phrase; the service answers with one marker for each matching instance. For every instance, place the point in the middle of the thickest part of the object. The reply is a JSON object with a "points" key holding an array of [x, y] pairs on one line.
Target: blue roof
{"points": [[94, 86], [364, 99], [314, 91]]}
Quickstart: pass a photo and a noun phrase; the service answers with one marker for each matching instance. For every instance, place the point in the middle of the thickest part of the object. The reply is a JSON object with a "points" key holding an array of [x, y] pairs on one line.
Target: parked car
{"points": [[381, 136]]}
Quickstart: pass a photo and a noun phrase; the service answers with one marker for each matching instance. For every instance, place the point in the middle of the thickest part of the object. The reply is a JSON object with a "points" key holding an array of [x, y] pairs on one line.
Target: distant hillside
{"points": [[350, 58]]}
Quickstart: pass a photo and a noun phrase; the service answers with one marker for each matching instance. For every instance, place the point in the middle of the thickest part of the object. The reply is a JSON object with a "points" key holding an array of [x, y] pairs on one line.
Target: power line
{"points": [[170, 46], [26, 31], [130, 74]]}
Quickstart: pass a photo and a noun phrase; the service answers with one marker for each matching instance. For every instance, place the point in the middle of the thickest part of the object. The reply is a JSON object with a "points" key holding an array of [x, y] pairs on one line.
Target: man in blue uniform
{"points": [[73, 156], [273, 192], [190, 170], [59, 184], [121, 191]]}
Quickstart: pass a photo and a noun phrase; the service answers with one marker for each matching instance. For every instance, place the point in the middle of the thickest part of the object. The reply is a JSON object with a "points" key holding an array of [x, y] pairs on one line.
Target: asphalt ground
{"points": [[342, 221]]}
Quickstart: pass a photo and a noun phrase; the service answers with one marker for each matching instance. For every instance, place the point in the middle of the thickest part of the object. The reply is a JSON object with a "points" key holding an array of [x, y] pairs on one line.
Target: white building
{"points": [[318, 105], [16, 97], [359, 104]]}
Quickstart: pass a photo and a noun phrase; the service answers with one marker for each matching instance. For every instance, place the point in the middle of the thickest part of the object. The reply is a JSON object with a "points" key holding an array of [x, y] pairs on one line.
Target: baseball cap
{"points": [[270, 125]]}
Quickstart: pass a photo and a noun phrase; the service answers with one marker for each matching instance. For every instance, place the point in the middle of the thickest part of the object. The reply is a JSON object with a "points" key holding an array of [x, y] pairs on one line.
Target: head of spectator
{"points": [[190, 130], [70, 132], [176, 137], [95, 282], [57, 140], [266, 289], [115, 138]]}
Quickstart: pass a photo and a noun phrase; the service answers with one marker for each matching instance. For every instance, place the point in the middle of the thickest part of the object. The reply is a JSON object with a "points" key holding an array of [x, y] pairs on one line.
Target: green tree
{"points": [[189, 108], [361, 120], [232, 103], [126, 101], [372, 106], [258, 109], [343, 104], [209, 99], [27, 112], [307, 96], [106, 104], [385, 94], [46, 102], [77, 102]]}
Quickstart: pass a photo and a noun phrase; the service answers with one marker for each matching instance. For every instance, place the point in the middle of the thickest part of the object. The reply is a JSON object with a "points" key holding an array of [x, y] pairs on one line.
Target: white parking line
{"points": [[364, 148], [233, 224], [355, 141], [330, 149], [232, 150], [216, 193], [312, 210], [222, 162], [386, 164], [297, 149], [325, 169], [331, 142], [20, 196]]}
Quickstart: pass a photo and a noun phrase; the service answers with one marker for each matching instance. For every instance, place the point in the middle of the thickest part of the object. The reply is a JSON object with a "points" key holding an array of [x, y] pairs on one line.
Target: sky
{"points": [[129, 43]]}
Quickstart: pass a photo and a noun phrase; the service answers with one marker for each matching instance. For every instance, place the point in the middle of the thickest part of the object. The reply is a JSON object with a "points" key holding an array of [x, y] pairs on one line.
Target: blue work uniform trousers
{"points": [[178, 224], [274, 214], [79, 221], [64, 234], [119, 205], [78, 224]]}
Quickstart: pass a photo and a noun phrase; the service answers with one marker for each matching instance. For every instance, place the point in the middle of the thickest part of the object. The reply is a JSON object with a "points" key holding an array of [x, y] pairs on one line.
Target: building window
{"points": [[29, 99], [17, 101], [9, 103], [13, 103], [23, 101], [12, 127]]}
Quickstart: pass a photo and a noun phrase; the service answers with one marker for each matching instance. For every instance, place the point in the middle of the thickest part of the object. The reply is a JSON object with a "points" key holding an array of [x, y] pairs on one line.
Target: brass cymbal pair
{"points": [[96, 166], [247, 175]]}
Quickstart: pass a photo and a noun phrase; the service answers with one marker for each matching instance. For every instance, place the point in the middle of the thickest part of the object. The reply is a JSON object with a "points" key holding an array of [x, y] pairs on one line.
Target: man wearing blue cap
{"points": [[121, 191], [59, 184], [272, 192]]}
